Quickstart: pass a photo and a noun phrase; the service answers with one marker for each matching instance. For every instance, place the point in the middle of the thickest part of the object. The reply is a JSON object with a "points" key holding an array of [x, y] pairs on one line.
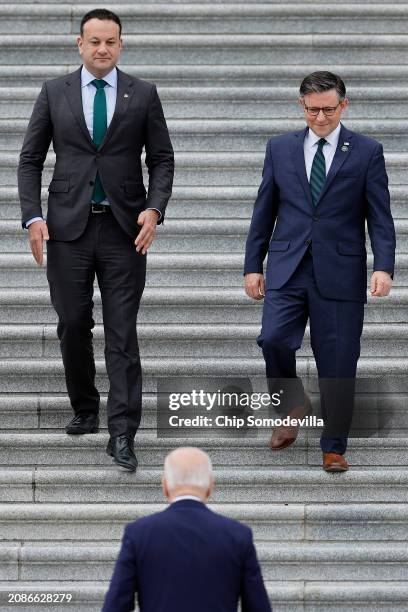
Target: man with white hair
{"points": [[187, 558]]}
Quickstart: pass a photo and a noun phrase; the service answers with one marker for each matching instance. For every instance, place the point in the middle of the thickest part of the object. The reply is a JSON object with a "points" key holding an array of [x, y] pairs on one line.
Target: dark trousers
{"points": [[335, 331], [106, 250]]}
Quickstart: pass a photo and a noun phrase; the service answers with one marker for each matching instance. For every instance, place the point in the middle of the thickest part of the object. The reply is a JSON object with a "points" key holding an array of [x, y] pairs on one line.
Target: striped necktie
{"points": [[318, 172], [100, 123]]}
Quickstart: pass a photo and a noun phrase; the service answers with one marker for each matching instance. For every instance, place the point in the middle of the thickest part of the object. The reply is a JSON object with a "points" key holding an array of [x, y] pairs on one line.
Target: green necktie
{"points": [[100, 123], [318, 172]]}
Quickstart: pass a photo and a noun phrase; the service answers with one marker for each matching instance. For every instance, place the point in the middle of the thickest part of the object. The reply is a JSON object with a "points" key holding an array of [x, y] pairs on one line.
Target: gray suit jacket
{"points": [[138, 122]]}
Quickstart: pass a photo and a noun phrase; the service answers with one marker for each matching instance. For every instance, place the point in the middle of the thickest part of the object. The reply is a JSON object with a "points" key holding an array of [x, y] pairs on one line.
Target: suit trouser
{"points": [[335, 331], [106, 250]]}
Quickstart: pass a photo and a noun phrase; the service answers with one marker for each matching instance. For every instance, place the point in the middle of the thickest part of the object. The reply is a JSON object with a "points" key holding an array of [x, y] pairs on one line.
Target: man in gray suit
{"points": [[100, 219]]}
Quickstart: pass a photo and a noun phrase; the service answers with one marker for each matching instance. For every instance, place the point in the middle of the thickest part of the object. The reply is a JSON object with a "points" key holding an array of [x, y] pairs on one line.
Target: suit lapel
{"points": [[123, 96], [74, 96], [298, 157], [339, 158]]}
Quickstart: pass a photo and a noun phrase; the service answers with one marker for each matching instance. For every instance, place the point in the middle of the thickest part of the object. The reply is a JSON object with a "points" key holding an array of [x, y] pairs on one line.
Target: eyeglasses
{"points": [[328, 111]]}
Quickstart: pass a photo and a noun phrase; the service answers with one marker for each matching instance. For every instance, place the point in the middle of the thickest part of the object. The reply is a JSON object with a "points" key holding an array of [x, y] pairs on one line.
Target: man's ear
{"points": [[210, 488], [165, 488], [345, 103]]}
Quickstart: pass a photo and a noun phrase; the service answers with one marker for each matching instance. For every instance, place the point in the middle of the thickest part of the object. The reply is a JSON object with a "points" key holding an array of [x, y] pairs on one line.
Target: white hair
{"points": [[177, 473]]}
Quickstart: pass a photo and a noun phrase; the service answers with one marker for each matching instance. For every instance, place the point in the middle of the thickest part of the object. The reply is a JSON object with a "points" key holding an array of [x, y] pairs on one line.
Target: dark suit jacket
{"points": [[187, 559], [137, 122], [355, 191]]}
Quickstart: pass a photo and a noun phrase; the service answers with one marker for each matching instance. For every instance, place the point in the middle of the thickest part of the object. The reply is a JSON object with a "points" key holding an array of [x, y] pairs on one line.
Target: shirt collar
{"points": [[332, 138], [111, 78], [180, 497]]}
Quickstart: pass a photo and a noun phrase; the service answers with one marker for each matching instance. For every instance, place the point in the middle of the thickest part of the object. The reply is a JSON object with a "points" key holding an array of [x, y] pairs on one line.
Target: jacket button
{"points": [[307, 242], [91, 183], [315, 218]]}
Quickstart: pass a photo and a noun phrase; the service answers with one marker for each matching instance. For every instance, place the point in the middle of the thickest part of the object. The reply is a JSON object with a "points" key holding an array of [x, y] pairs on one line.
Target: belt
{"points": [[100, 208]]}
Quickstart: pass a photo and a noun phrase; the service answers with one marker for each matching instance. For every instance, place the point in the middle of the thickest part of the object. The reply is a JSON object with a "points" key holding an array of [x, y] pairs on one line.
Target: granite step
{"points": [[198, 235], [293, 596], [210, 171], [218, 201], [205, 18], [203, 270], [269, 522], [230, 48], [58, 449], [92, 484], [377, 413], [378, 75], [46, 375], [233, 134], [280, 561], [182, 305], [191, 340], [231, 102]]}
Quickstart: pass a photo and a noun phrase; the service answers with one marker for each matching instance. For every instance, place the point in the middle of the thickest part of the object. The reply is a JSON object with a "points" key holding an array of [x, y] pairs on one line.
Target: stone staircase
{"points": [[228, 75]]}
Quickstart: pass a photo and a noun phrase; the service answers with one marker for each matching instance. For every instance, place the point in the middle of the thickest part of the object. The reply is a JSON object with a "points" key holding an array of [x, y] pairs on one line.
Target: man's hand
{"points": [[380, 284], [255, 285], [148, 220], [37, 233]]}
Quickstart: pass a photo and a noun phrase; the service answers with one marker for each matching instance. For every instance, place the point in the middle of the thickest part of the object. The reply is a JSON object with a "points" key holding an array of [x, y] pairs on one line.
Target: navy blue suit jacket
{"points": [[187, 559], [285, 222]]}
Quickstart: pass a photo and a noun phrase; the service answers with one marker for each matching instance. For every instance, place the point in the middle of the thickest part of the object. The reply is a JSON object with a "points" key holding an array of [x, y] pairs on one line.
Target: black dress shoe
{"points": [[83, 424], [121, 449]]}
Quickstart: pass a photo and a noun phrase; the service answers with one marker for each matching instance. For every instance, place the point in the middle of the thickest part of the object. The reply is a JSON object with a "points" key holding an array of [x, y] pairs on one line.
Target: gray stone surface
{"points": [[228, 75]]}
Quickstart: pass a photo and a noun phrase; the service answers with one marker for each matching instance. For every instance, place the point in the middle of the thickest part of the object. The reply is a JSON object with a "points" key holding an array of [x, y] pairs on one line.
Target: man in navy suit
{"points": [[187, 558], [319, 187]]}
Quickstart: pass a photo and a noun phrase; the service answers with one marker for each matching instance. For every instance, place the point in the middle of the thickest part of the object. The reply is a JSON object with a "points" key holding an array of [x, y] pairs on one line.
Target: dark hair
{"points": [[102, 14], [320, 81]]}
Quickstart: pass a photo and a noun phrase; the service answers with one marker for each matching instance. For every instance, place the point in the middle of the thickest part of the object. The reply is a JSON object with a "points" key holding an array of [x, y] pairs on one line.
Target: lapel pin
{"points": [[126, 95], [345, 146]]}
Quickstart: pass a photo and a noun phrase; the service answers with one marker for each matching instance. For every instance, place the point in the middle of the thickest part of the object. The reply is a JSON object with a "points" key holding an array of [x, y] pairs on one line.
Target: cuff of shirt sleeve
{"points": [[30, 221], [157, 210]]}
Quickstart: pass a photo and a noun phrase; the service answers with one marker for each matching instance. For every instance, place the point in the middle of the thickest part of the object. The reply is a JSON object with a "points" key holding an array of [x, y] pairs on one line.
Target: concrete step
{"points": [[185, 305], [213, 202], [197, 235], [235, 102], [205, 170], [58, 449], [46, 375], [378, 412], [168, 269], [230, 48], [295, 596], [91, 484], [204, 18], [280, 561], [269, 522], [378, 75], [191, 340], [233, 134]]}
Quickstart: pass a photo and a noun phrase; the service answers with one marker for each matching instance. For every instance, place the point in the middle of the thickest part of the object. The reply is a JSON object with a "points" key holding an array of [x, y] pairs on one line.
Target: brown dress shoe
{"points": [[332, 462], [285, 435]]}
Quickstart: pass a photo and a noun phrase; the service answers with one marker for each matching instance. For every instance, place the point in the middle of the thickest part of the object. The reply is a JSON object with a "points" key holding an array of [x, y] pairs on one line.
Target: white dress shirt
{"points": [[88, 92], [180, 497], [329, 149]]}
